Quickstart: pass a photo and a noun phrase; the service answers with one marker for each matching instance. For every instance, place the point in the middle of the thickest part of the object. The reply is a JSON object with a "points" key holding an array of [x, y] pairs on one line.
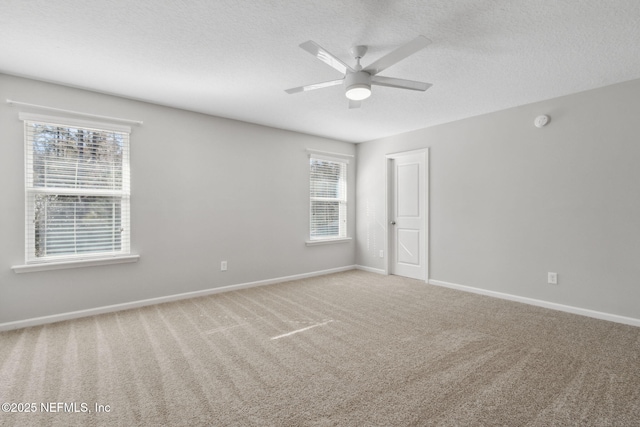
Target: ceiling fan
{"points": [[358, 80]]}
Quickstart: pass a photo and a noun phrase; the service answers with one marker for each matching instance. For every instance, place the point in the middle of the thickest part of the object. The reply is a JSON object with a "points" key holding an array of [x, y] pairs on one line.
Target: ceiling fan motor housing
{"points": [[357, 85]]}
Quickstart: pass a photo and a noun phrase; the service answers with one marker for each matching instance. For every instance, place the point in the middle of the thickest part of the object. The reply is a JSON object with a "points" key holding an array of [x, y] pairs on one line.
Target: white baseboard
{"points": [[159, 300], [370, 269], [540, 303]]}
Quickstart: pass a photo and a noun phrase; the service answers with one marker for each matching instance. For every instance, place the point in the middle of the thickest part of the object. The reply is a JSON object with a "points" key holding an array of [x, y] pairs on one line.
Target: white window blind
{"points": [[77, 190], [328, 198]]}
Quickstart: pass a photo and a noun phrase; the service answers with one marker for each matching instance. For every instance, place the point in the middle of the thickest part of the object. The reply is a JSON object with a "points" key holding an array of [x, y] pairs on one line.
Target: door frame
{"points": [[389, 207]]}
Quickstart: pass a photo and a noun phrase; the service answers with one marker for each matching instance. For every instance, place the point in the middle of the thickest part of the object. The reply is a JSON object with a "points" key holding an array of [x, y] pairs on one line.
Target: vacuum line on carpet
{"points": [[301, 330]]}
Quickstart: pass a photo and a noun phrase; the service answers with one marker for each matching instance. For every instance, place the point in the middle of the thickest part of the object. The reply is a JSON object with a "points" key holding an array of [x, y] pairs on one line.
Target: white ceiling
{"points": [[234, 58]]}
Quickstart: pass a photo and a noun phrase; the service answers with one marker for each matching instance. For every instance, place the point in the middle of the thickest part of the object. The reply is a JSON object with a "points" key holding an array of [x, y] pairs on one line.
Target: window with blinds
{"points": [[328, 198], [77, 189]]}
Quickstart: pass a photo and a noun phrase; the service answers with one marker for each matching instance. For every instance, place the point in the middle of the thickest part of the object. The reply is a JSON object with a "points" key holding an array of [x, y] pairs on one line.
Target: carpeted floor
{"points": [[349, 349]]}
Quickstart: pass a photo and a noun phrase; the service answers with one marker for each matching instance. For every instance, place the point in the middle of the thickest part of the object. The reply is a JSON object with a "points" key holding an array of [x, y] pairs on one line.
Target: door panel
{"points": [[407, 186], [408, 247]]}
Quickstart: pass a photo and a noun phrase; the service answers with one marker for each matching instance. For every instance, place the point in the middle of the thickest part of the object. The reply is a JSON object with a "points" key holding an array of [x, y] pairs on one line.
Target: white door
{"points": [[408, 214]]}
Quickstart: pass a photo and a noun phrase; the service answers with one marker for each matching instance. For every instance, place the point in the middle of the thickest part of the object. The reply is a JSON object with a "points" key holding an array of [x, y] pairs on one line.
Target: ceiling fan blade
{"points": [[323, 55], [397, 55], [400, 83], [354, 104], [314, 86]]}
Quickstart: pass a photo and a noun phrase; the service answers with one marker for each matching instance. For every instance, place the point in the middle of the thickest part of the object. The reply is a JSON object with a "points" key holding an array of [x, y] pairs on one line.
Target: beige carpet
{"points": [[349, 349]]}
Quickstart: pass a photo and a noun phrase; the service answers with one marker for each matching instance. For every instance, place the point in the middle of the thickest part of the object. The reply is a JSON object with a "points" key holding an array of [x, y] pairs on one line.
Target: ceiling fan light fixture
{"points": [[358, 91]]}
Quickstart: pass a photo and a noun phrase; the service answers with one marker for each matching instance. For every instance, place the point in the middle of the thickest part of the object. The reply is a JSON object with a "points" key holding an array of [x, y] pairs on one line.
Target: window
{"points": [[328, 198], [77, 189]]}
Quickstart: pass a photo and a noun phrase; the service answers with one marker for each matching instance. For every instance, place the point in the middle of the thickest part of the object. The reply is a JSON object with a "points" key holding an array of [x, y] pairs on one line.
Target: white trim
{"points": [[79, 113], [159, 300], [90, 262], [371, 269], [540, 303], [78, 191], [329, 158], [329, 153], [327, 241], [386, 240], [70, 121], [404, 153]]}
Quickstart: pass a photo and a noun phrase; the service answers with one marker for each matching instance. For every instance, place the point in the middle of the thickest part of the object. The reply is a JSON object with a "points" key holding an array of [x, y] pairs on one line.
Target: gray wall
{"points": [[204, 189], [510, 202]]}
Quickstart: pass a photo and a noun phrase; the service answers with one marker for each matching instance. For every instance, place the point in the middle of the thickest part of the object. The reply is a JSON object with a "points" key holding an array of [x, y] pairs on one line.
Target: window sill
{"points": [[31, 268], [327, 241]]}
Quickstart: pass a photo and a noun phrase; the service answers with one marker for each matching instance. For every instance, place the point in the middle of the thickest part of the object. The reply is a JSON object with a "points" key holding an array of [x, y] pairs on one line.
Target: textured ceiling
{"points": [[234, 58]]}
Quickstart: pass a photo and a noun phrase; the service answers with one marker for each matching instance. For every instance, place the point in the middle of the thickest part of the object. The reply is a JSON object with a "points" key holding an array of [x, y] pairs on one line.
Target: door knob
{"points": [[393, 223]]}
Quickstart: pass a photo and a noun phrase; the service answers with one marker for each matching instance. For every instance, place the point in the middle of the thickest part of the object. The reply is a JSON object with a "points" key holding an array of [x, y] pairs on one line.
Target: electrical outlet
{"points": [[223, 266], [552, 278], [381, 253]]}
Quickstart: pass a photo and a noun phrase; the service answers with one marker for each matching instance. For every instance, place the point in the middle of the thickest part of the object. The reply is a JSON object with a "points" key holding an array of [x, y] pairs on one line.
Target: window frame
{"points": [[343, 232], [34, 263]]}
